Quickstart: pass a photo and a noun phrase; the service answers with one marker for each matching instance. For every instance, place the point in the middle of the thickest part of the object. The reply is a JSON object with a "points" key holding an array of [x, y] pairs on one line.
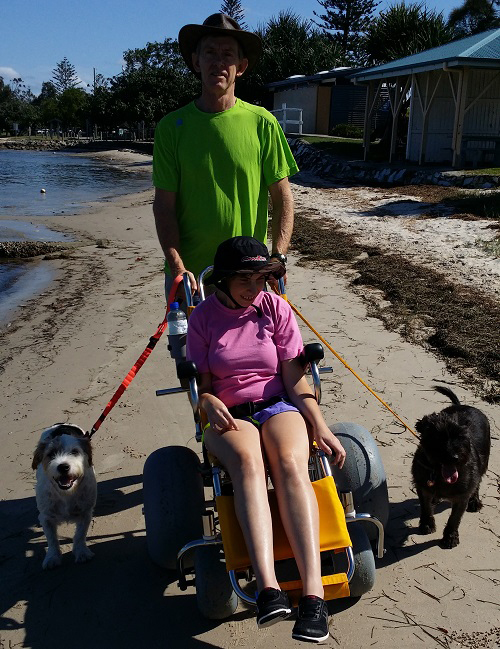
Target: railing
{"points": [[285, 120]]}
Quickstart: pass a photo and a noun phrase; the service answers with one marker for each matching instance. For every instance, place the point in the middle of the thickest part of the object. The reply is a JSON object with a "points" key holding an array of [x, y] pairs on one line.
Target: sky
{"points": [[37, 34]]}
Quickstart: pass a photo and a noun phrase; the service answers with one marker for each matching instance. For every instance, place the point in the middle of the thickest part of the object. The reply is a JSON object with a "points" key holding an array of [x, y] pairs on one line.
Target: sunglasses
{"points": [[276, 272]]}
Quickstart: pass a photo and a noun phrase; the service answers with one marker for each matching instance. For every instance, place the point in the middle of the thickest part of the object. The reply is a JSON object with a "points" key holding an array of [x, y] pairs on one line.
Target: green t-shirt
{"points": [[220, 165]]}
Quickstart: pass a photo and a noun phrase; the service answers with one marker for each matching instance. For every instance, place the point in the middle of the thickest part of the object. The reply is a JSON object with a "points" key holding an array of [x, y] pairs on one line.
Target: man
{"points": [[216, 159]]}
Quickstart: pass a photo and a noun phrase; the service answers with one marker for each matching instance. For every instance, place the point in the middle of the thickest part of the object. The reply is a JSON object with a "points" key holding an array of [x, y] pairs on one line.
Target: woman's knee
{"points": [[238, 460], [247, 464]]}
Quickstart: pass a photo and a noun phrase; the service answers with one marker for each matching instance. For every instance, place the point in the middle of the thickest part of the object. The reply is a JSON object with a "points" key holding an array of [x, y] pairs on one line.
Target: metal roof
{"points": [[325, 76], [480, 51]]}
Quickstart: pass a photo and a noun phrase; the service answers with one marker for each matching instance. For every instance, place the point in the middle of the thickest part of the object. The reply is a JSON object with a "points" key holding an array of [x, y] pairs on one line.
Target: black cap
{"points": [[243, 255]]}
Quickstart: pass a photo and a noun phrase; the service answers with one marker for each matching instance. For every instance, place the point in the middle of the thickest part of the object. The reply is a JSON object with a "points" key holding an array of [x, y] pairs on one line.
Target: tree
{"points": [[16, 106], [64, 76], [291, 45], [21, 91], [48, 91], [234, 9], [349, 20], [474, 17], [403, 30], [72, 108], [154, 82]]}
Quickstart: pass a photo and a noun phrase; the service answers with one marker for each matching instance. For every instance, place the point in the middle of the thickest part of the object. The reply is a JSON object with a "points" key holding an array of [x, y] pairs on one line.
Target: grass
{"points": [[30, 138], [352, 149], [490, 171], [348, 148]]}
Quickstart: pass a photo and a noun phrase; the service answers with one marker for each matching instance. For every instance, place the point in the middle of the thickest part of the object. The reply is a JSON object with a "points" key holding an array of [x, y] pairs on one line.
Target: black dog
{"points": [[449, 463]]}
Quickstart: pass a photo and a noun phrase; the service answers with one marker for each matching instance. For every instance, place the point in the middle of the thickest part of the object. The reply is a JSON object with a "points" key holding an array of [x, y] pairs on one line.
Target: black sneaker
{"points": [[312, 620], [272, 606]]}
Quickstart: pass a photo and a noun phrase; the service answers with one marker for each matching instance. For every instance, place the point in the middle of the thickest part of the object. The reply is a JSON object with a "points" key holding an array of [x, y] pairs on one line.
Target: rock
{"points": [[24, 249]]}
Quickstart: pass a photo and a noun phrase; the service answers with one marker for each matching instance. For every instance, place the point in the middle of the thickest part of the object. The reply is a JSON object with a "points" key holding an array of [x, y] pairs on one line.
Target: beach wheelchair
{"points": [[191, 525]]}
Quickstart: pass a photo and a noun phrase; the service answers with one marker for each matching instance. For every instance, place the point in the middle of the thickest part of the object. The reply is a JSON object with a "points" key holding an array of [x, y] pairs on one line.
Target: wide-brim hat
{"points": [[219, 25], [243, 255]]}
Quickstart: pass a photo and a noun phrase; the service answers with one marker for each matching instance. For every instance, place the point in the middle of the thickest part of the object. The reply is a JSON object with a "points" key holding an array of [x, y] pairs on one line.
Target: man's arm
{"points": [[167, 229], [282, 219]]}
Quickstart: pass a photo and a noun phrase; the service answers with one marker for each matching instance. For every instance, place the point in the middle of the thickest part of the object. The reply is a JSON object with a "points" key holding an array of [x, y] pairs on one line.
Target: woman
{"points": [[245, 343]]}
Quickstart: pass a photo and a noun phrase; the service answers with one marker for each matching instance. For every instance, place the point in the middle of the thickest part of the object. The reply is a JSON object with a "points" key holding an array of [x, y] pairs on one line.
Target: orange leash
{"points": [[344, 363], [139, 362]]}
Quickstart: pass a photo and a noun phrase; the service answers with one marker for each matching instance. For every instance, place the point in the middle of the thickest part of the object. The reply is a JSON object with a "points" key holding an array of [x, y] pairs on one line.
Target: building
{"points": [[326, 99], [454, 101]]}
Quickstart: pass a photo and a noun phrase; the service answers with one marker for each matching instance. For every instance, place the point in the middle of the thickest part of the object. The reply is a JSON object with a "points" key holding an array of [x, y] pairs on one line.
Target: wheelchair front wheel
{"points": [[215, 596], [173, 503]]}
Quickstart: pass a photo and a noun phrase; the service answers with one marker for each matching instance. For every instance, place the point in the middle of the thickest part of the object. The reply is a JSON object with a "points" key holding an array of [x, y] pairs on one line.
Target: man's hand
{"points": [[180, 288]]}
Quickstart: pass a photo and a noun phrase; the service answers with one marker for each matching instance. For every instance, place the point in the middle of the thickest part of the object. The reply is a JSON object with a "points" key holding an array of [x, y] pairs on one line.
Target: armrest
{"points": [[313, 352], [187, 370]]}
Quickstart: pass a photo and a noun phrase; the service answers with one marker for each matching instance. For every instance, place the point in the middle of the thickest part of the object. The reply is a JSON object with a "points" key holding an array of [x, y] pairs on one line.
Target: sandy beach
{"points": [[66, 352]]}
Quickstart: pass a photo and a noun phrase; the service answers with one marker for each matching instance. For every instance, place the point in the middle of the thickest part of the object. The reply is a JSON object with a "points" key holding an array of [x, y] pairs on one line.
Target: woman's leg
{"points": [[286, 444], [240, 452]]}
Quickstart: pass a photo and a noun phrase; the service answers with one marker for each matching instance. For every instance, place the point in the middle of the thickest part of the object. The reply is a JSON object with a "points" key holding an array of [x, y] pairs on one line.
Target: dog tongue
{"points": [[449, 473]]}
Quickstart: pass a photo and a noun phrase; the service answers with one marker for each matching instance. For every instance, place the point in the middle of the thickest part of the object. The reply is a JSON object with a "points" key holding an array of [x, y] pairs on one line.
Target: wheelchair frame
{"points": [[319, 467]]}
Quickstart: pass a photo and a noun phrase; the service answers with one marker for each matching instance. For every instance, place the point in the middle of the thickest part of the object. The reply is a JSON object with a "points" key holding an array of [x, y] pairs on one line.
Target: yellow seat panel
{"points": [[333, 528]]}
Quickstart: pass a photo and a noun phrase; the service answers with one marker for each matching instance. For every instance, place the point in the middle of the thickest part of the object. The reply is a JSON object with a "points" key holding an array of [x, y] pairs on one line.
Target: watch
{"points": [[280, 257]]}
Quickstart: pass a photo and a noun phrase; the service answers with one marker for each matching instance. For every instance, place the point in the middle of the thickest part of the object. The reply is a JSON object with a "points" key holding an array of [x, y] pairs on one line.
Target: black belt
{"points": [[251, 407]]}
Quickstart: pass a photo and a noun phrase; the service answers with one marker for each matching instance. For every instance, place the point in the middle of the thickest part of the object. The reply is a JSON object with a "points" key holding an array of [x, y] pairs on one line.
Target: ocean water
{"points": [[70, 182]]}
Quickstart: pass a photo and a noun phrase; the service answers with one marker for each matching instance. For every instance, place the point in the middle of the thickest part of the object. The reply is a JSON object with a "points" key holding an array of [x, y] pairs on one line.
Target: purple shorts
{"points": [[259, 418]]}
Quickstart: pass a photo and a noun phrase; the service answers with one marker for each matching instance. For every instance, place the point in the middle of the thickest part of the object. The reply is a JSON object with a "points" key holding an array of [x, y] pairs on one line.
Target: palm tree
{"points": [[473, 17], [403, 30], [291, 45]]}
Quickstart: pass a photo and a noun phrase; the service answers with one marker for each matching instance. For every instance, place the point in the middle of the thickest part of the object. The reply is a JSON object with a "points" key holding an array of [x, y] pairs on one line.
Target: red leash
{"points": [[139, 363]]}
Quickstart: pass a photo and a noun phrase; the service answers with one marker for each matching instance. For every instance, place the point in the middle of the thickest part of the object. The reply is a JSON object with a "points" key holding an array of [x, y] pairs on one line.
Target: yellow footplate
{"points": [[333, 535]]}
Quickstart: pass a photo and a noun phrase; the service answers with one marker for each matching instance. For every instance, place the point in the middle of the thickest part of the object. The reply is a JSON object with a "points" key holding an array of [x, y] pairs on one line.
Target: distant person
{"points": [[216, 159]]}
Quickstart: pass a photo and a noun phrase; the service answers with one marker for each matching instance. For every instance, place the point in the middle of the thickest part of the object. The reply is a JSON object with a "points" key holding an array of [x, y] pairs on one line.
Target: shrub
{"points": [[347, 130]]}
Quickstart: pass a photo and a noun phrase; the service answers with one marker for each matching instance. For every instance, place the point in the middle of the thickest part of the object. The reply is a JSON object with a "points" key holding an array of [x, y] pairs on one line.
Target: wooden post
{"points": [[367, 124], [395, 115], [425, 121], [458, 126]]}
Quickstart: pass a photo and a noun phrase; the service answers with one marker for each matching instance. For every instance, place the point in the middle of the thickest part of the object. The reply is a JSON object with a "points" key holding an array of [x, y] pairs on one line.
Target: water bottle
{"points": [[177, 330]]}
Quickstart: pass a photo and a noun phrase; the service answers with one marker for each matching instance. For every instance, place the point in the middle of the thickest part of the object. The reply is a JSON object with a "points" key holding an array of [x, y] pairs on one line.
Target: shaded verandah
{"points": [[464, 75]]}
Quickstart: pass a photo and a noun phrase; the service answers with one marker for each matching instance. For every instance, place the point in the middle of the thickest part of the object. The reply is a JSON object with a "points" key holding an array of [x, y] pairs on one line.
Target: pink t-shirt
{"points": [[241, 351]]}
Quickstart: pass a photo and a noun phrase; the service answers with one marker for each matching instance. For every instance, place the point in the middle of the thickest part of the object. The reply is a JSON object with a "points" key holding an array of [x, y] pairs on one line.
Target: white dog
{"points": [[66, 488]]}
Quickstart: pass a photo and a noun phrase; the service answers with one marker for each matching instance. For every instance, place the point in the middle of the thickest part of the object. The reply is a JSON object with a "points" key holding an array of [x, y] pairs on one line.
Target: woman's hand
{"points": [[330, 444], [218, 415]]}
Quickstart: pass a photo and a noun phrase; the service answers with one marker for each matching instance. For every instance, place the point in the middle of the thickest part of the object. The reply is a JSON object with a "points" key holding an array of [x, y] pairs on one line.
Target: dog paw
{"points": [[427, 526], [474, 505], [51, 561], [449, 541], [82, 555]]}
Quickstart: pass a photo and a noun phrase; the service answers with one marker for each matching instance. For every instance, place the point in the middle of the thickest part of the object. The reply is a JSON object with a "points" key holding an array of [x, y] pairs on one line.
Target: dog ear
{"points": [[38, 455], [426, 425], [87, 448]]}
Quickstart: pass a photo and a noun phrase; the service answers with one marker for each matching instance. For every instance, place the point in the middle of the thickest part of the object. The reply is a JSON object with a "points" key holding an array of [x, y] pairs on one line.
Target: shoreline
{"points": [[62, 227]]}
